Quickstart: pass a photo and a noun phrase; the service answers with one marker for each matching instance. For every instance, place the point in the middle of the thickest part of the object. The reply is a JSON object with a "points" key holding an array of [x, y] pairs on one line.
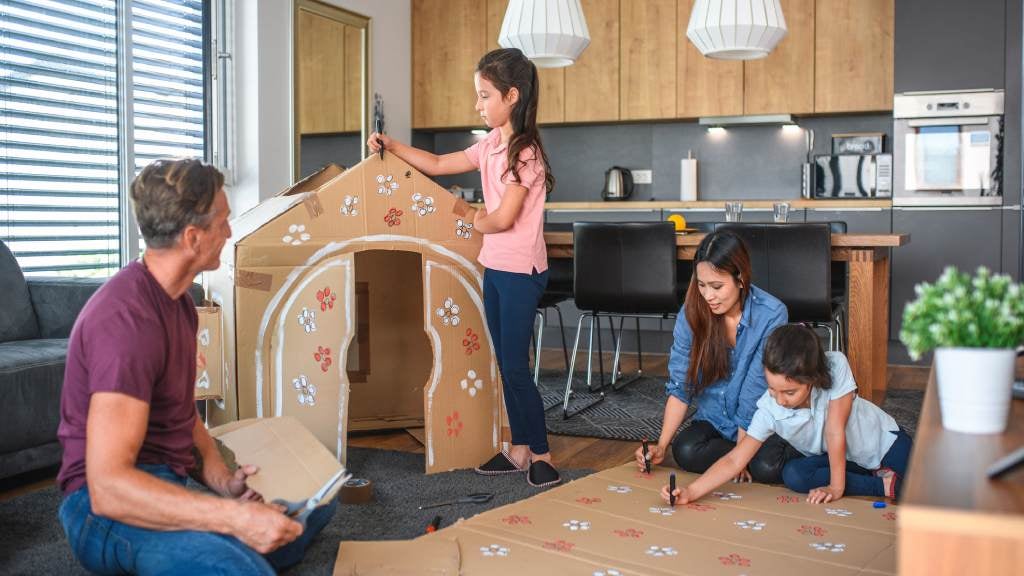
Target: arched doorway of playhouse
{"points": [[385, 332]]}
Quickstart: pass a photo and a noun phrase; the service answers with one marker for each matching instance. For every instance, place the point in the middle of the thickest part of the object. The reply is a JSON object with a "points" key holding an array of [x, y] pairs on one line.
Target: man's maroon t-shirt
{"points": [[133, 339]]}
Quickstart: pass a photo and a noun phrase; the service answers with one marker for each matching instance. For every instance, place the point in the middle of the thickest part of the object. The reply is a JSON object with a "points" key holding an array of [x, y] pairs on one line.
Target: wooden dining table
{"points": [[867, 256]]}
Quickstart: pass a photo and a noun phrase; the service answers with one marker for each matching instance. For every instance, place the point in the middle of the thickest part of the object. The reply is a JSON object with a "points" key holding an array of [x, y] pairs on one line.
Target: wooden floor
{"points": [[567, 451]]}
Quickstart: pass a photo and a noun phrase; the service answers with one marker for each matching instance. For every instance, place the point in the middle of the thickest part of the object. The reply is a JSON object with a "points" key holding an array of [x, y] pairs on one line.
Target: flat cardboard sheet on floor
{"points": [[614, 522], [430, 557]]}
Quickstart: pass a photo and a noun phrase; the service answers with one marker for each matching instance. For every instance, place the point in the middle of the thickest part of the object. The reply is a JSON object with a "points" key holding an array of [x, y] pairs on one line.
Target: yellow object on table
{"points": [[679, 222]]}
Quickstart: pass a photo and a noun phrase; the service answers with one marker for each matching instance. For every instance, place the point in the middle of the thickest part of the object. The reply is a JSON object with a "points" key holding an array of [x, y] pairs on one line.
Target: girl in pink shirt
{"points": [[516, 178]]}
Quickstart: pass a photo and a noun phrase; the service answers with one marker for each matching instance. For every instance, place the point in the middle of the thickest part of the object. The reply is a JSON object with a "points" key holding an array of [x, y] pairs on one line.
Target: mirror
{"points": [[331, 86]]}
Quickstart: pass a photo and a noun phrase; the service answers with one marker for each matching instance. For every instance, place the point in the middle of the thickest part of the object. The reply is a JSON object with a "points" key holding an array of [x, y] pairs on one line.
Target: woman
{"points": [[716, 363]]}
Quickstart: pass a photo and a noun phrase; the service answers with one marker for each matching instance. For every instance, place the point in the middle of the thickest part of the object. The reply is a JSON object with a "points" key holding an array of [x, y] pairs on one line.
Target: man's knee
{"points": [[201, 553]]}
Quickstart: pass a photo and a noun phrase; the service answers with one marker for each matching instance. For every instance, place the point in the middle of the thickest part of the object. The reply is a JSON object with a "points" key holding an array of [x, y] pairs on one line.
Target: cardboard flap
{"points": [[431, 556], [293, 464]]}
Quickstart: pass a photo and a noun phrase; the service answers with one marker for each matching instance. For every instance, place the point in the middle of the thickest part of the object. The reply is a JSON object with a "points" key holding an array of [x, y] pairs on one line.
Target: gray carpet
{"points": [[33, 542], [635, 411]]}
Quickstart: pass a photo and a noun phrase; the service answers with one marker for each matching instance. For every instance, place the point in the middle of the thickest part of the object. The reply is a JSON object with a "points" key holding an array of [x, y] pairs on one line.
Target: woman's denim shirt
{"points": [[729, 403]]}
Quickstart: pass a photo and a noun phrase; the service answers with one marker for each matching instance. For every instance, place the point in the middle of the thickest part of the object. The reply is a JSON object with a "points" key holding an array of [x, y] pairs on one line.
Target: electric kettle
{"points": [[618, 184]]}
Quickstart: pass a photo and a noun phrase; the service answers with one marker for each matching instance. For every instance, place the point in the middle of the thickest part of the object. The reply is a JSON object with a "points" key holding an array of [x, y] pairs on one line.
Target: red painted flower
{"points": [[788, 499], [393, 217], [326, 298], [587, 500], [889, 516], [471, 342], [700, 507], [560, 546], [516, 519], [454, 424], [809, 530], [629, 533], [734, 560], [323, 356]]}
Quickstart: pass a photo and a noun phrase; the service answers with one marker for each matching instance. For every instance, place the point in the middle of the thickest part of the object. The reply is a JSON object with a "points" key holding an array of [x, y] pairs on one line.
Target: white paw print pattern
{"points": [[828, 547], [449, 312], [307, 319], [350, 206], [386, 184], [204, 337], [422, 205], [841, 512], [203, 381], [307, 390], [750, 524], [494, 550], [471, 384], [296, 235], [619, 489], [727, 496], [661, 551], [463, 229], [607, 572], [662, 510], [577, 525]]}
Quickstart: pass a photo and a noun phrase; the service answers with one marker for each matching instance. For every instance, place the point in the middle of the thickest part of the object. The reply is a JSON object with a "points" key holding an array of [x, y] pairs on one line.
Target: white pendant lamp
{"points": [[736, 29], [552, 33]]}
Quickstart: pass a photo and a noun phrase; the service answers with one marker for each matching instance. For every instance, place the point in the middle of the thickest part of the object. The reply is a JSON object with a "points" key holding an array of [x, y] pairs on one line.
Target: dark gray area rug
{"points": [[33, 542], [635, 411]]}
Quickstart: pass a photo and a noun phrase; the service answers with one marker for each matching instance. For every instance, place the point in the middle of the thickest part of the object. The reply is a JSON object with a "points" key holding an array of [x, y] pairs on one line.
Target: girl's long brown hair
{"points": [[507, 68], [709, 354]]}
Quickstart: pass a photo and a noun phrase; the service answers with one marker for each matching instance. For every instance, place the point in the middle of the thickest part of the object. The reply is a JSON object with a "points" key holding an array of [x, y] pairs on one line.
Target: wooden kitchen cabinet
{"points": [[592, 83], [648, 35], [448, 38], [704, 86], [354, 86], [322, 86], [783, 82], [853, 55]]}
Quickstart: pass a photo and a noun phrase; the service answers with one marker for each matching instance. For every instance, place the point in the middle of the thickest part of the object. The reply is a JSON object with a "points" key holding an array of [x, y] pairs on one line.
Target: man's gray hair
{"points": [[170, 194]]}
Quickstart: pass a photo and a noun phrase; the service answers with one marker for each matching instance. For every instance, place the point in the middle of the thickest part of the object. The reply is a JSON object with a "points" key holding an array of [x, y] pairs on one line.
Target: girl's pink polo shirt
{"points": [[521, 248]]}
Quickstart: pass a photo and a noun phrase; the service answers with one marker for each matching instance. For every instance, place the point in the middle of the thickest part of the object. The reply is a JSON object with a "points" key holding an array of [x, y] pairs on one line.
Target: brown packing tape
{"points": [[356, 491], [461, 208], [254, 280], [313, 205]]}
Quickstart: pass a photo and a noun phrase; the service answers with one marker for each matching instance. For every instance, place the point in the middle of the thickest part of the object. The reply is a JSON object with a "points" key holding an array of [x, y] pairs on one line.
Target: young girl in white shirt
{"points": [[850, 446]]}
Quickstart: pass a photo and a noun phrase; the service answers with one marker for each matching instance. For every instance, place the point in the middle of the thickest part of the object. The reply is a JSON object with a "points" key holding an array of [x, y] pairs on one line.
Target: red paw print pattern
{"points": [[393, 217], [629, 533], [471, 342], [788, 499], [560, 546], [326, 297], [454, 424], [889, 516], [734, 560], [323, 356], [516, 519], [587, 500], [809, 530], [700, 507]]}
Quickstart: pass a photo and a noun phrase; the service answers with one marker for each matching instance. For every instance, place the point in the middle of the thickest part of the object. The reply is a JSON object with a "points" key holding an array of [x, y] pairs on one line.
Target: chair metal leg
{"points": [[561, 329], [619, 384], [639, 350], [542, 317], [590, 351], [572, 366]]}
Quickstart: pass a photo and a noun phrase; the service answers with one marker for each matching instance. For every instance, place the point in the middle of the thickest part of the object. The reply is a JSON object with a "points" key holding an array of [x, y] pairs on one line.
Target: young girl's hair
{"points": [[709, 355], [507, 68], [794, 351]]}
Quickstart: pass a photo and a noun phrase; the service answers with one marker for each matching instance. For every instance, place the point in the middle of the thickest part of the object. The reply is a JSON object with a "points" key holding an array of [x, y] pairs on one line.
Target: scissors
{"points": [[300, 510], [478, 498]]}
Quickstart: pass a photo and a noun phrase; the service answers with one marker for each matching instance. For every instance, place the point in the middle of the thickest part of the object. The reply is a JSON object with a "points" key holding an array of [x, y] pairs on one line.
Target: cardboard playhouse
{"points": [[614, 522], [353, 301]]}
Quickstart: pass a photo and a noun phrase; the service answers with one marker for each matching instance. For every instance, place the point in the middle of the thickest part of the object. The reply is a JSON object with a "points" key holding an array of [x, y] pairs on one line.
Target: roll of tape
{"points": [[357, 491]]}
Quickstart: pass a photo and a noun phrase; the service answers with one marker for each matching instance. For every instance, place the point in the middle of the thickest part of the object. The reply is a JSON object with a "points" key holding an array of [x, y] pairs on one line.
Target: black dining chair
{"points": [[621, 269], [559, 289]]}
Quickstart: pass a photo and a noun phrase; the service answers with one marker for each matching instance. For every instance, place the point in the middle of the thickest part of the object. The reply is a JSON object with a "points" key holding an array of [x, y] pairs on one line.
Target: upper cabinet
{"points": [[783, 82], [327, 95], [853, 55], [704, 86], [447, 41], [592, 83], [648, 36]]}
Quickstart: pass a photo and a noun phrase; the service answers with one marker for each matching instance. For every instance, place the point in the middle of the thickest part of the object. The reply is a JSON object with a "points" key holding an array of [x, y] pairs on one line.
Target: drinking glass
{"points": [[780, 211], [733, 211]]}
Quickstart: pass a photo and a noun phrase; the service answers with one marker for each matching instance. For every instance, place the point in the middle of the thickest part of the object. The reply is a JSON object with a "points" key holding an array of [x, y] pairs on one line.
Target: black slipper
{"points": [[542, 474], [499, 464]]}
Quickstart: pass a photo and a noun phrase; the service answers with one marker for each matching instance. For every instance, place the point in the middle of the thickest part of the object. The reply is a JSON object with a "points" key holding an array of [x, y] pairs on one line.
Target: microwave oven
{"points": [[853, 176]]}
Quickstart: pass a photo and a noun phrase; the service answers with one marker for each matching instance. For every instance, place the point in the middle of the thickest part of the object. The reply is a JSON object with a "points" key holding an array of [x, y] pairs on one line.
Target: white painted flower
{"points": [[307, 319], [350, 206], [203, 381], [727, 496], [577, 525], [607, 572], [386, 184], [463, 229], [471, 384], [750, 525], [494, 550], [422, 205], [841, 512], [828, 547], [661, 551], [306, 389], [662, 510], [449, 313], [296, 235], [204, 337], [619, 489]]}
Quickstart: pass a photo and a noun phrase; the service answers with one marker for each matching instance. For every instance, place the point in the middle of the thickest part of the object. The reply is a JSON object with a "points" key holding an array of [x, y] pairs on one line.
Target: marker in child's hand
{"points": [[671, 489], [647, 458]]}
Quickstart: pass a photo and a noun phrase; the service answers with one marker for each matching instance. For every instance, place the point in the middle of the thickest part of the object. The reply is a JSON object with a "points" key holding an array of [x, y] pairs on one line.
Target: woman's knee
{"points": [[796, 476], [766, 470]]}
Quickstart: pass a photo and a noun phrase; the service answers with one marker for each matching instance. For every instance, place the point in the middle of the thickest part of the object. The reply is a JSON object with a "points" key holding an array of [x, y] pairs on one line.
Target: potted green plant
{"points": [[974, 325]]}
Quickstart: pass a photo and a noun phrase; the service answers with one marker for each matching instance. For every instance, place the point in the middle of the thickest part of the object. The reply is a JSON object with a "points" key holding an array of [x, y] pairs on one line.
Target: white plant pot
{"points": [[975, 388]]}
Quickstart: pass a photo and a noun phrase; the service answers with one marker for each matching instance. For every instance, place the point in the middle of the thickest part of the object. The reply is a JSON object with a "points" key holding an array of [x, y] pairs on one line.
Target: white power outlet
{"points": [[642, 176]]}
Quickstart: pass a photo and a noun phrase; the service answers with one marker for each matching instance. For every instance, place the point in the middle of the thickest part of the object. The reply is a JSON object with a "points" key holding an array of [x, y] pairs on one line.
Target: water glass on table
{"points": [[733, 211], [780, 212]]}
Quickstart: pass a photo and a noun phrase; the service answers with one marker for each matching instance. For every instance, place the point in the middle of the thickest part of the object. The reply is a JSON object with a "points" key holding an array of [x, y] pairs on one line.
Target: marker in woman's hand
{"points": [[647, 458], [671, 489]]}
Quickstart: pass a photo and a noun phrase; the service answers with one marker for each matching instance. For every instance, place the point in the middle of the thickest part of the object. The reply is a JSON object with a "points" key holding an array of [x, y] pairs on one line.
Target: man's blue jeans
{"points": [[104, 546]]}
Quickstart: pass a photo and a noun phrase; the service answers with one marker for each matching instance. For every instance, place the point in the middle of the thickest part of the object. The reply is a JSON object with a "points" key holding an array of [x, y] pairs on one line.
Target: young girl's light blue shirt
{"points": [[870, 432]]}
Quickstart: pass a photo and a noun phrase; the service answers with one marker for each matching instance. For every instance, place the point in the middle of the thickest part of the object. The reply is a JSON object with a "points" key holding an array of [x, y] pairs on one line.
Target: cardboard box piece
{"points": [[209, 353], [353, 300], [614, 522], [423, 557], [293, 464]]}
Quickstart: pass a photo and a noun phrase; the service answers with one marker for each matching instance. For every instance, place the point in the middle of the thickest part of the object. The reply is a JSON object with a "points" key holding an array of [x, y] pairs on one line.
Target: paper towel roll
{"points": [[356, 491], [688, 180]]}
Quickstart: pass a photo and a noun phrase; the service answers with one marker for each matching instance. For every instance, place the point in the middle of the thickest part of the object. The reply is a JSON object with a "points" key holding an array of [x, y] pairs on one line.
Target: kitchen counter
{"points": [[794, 204]]}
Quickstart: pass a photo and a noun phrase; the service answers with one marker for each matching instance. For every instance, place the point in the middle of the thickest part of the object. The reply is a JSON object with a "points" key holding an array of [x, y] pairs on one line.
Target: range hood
{"points": [[749, 120]]}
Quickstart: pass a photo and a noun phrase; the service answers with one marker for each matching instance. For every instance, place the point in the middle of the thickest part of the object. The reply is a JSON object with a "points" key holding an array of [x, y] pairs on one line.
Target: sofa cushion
{"points": [[31, 378], [17, 319]]}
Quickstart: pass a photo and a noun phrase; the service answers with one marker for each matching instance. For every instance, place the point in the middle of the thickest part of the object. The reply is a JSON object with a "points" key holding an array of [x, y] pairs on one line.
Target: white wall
{"points": [[264, 79]]}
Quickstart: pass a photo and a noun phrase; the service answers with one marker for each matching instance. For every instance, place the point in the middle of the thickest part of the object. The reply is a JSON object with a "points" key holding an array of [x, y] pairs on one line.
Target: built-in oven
{"points": [[947, 148]]}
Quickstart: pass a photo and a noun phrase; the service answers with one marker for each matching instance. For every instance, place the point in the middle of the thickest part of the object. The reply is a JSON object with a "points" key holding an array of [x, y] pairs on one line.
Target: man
{"points": [[129, 425]]}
